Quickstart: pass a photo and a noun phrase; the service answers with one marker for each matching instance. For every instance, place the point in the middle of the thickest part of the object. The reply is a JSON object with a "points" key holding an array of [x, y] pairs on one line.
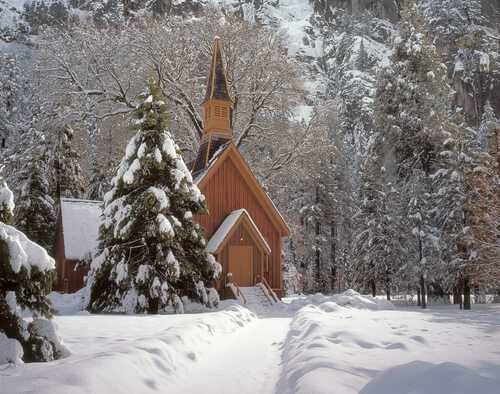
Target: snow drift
{"points": [[349, 298], [420, 377], [347, 343], [125, 354]]}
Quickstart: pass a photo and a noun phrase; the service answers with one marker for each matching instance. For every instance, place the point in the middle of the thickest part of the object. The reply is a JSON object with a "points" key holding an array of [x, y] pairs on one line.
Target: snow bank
{"points": [[425, 378], [126, 354], [69, 303], [47, 329], [335, 348], [349, 298], [11, 350]]}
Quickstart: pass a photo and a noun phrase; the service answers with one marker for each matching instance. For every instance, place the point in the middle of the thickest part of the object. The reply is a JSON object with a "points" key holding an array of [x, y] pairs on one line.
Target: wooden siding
{"points": [[59, 254], [227, 191], [68, 279], [74, 278]]}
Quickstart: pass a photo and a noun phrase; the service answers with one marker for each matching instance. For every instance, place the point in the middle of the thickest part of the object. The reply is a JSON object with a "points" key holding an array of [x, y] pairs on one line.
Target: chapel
{"points": [[243, 228]]}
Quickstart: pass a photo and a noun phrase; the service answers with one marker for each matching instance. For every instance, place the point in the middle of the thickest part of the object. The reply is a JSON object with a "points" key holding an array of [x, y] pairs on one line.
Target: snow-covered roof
{"points": [[227, 225], [80, 220], [199, 175]]}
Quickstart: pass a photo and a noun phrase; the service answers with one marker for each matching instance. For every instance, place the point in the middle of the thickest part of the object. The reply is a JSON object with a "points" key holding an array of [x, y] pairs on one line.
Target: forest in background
{"points": [[377, 135]]}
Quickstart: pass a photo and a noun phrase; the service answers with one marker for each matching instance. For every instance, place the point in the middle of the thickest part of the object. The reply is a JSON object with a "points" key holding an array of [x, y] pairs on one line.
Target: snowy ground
{"points": [[317, 344]]}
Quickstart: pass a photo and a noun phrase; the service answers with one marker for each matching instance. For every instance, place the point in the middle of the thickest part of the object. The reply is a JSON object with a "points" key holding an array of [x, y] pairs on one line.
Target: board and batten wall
{"points": [[226, 192]]}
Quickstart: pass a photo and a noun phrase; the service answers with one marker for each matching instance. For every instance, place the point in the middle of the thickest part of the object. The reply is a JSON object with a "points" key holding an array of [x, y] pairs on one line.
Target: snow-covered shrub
{"points": [[152, 252], [26, 273], [11, 351]]}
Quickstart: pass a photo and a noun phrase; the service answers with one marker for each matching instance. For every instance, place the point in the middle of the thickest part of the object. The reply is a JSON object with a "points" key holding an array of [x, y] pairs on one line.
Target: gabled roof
{"points": [[211, 146], [231, 152], [229, 225], [80, 221], [217, 83]]}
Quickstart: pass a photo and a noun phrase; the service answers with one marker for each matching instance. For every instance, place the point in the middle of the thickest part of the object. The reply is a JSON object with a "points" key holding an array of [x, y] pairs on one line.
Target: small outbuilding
{"points": [[76, 239]]}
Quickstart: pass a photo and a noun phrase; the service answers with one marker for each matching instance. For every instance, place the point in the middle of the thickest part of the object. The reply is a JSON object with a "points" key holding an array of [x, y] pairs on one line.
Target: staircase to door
{"points": [[255, 297]]}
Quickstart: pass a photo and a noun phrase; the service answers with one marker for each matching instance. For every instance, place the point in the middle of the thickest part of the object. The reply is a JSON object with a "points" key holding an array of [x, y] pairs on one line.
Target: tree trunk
{"points": [[154, 305], [388, 284], [423, 292], [467, 298], [333, 252], [374, 288], [419, 298], [126, 9], [457, 297]]}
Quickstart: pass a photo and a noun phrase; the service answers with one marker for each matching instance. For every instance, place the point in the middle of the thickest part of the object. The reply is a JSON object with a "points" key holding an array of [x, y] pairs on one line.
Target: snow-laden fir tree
{"points": [[410, 110], [152, 252], [99, 182], [68, 178], [26, 273], [35, 213], [378, 243]]}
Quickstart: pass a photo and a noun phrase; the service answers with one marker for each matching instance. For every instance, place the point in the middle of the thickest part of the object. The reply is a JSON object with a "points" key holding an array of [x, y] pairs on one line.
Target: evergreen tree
{"points": [[98, 183], [410, 111], [35, 213], [26, 273], [378, 241], [151, 252], [68, 174]]}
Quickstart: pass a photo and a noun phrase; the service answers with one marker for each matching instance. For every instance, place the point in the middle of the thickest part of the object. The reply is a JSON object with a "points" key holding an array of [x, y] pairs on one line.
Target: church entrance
{"points": [[241, 265]]}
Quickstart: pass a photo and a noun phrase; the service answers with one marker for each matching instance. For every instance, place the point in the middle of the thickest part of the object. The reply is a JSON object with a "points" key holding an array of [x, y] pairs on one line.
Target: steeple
{"points": [[217, 111], [217, 107]]}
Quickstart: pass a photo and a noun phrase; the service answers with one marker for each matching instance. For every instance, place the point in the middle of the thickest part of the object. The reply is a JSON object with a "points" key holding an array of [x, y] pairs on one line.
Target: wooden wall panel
{"points": [[226, 192]]}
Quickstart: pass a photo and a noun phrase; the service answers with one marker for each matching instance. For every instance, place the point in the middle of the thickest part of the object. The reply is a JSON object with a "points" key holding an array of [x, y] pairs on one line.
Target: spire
{"points": [[217, 83], [217, 112]]}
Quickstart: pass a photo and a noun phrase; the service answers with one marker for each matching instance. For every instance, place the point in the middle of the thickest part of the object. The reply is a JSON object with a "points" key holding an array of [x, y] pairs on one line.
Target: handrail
{"points": [[269, 288], [240, 293], [233, 285]]}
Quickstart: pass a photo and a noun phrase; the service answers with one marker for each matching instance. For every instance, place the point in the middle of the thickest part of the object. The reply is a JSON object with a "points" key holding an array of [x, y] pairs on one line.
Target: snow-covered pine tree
{"points": [[35, 213], [151, 252], [68, 180], [410, 109], [26, 273], [98, 183], [377, 243]]}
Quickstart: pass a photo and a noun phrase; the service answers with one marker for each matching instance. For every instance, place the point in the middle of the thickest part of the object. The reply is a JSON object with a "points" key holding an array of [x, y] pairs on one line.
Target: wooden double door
{"points": [[241, 264]]}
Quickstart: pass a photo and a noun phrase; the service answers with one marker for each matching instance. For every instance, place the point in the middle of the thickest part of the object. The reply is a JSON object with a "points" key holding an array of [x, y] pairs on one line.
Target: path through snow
{"points": [[248, 361]]}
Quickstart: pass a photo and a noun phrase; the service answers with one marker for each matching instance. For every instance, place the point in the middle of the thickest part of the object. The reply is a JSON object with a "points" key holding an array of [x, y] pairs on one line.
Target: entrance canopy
{"points": [[229, 225]]}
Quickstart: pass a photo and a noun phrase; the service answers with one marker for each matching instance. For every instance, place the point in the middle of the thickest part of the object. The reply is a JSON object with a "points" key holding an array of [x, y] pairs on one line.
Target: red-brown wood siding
{"points": [[68, 279], [59, 255], [227, 191]]}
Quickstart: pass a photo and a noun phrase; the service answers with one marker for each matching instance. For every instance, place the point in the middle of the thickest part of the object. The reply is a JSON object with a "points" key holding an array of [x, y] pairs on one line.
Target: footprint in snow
{"points": [[419, 339], [394, 346]]}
